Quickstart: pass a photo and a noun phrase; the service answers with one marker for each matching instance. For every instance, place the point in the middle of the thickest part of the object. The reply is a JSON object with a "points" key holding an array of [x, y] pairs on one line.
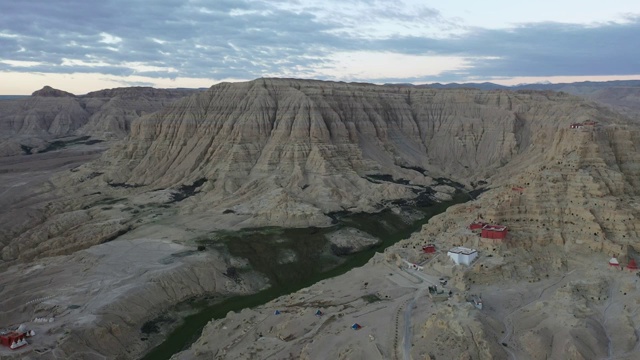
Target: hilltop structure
{"points": [[462, 255]]}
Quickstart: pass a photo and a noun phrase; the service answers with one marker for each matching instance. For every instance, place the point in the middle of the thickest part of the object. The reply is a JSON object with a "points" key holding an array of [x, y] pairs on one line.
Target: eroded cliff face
{"points": [[288, 152], [40, 115], [113, 110], [570, 199], [580, 195], [569, 211], [51, 113], [277, 126], [317, 141]]}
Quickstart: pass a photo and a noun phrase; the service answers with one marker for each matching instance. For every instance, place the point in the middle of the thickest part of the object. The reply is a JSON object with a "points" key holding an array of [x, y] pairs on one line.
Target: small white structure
{"points": [[477, 302], [462, 255], [413, 266]]}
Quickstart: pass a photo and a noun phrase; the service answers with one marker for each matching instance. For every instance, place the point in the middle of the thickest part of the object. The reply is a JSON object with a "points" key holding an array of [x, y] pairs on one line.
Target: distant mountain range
{"points": [[29, 124], [577, 88], [12, 97], [623, 96], [32, 121]]}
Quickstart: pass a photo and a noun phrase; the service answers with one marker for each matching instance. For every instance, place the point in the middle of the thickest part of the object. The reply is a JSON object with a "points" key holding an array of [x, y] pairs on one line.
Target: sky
{"points": [[81, 46]]}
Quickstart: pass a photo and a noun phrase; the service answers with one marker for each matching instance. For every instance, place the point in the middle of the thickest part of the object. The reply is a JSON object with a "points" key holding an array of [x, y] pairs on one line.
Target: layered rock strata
{"points": [[291, 152], [287, 152], [569, 198], [28, 125]]}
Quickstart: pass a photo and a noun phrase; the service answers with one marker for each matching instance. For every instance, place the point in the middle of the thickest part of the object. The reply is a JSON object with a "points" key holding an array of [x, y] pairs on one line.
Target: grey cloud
{"points": [[396, 11], [549, 49], [542, 49], [202, 39], [131, 83], [9, 45], [71, 34]]}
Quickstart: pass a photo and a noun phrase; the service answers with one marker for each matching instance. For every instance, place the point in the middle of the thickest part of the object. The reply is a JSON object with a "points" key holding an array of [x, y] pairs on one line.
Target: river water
{"points": [[262, 247]]}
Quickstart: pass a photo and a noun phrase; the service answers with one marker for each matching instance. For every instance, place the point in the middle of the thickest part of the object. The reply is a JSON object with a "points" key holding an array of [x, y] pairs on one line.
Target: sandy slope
{"points": [[100, 297], [583, 310], [287, 152]]}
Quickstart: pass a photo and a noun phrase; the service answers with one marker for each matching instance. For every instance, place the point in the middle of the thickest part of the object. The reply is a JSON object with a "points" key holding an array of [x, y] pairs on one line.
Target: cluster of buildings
{"points": [[495, 233], [631, 265], [488, 232], [583, 124], [465, 256], [16, 339]]}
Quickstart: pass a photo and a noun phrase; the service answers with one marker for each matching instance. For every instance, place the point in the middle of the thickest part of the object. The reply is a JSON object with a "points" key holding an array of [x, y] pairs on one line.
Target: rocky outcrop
{"points": [[136, 279], [289, 126], [569, 209], [580, 194], [50, 113], [291, 152], [287, 152], [113, 110], [42, 116], [278, 141], [349, 240], [48, 91]]}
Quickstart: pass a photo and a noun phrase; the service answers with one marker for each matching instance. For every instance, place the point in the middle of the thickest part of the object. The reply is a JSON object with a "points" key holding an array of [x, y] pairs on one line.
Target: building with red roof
{"points": [[429, 249], [614, 262], [494, 232], [632, 266], [477, 225], [13, 339]]}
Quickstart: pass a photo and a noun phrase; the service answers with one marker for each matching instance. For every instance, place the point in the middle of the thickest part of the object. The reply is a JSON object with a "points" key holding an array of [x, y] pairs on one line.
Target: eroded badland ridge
{"points": [[287, 152], [292, 152], [569, 198], [622, 96], [30, 125]]}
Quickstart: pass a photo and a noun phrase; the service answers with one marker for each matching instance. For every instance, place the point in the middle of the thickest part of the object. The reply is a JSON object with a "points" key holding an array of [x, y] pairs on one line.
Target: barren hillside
{"points": [[29, 125], [570, 200], [292, 153], [287, 152]]}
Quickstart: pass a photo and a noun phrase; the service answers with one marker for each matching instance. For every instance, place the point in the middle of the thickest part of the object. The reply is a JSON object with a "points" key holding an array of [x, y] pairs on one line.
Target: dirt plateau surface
{"points": [[99, 297], [576, 310]]}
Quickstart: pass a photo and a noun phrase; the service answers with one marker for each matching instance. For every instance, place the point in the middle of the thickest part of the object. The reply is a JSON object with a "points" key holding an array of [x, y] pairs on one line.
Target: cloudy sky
{"points": [[82, 45]]}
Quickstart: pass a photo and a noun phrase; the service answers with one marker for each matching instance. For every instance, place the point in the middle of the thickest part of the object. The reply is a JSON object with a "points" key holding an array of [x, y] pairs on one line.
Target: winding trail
{"points": [[407, 333], [507, 319], [633, 353], [408, 336], [397, 329], [603, 322]]}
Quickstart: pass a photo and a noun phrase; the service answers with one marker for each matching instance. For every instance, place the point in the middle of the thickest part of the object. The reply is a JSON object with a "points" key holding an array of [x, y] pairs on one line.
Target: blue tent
{"points": [[356, 326], [277, 312], [319, 313]]}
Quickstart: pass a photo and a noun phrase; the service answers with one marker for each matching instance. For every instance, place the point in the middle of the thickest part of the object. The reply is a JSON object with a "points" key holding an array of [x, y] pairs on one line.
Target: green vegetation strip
{"points": [[60, 144], [286, 278]]}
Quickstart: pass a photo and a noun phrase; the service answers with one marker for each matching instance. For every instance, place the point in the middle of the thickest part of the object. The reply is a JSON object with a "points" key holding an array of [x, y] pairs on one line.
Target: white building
{"points": [[413, 266], [462, 255]]}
